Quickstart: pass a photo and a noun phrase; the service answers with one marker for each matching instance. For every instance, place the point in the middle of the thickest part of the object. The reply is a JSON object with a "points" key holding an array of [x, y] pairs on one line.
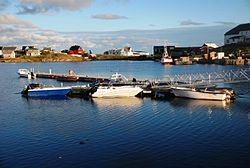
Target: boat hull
{"points": [[200, 94], [54, 91], [117, 91], [23, 73], [167, 60]]}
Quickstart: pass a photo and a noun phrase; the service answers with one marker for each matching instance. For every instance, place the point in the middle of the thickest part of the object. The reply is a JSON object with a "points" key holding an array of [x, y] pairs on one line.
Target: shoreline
{"points": [[54, 57]]}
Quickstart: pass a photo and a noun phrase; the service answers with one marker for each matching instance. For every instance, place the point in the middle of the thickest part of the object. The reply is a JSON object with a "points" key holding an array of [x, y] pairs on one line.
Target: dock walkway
{"points": [[81, 78], [230, 76]]}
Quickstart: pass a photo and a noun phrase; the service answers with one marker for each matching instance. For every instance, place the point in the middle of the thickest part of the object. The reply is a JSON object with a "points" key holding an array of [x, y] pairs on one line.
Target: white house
{"points": [[9, 52], [240, 33], [126, 51], [33, 52], [141, 53]]}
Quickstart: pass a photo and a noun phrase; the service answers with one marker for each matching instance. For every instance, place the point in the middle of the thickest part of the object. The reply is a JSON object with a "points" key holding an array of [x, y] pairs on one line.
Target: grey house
{"points": [[239, 34]]}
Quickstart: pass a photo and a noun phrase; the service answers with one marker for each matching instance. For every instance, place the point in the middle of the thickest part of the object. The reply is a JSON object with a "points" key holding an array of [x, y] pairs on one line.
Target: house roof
{"points": [[9, 48], [212, 45], [237, 29], [8, 51], [75, 47], [32, 49]]}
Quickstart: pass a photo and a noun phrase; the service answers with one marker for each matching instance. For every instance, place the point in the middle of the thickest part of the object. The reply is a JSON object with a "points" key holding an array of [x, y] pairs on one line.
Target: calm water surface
{"points": [[121, 132]]}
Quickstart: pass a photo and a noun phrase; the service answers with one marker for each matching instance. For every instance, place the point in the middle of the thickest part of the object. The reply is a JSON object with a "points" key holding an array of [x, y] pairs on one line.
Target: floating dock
{"points": [[69, 77], [156, 88]]}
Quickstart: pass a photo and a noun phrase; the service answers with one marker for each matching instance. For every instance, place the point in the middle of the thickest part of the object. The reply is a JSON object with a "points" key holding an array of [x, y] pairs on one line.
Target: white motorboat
{"points": [[23, 72], [116, 77], [26, 73], [205, 94], [117, 91]]}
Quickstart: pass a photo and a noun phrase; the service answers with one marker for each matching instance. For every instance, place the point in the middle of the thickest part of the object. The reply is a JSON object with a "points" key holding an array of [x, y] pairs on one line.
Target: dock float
{"points": [[71, 78]]}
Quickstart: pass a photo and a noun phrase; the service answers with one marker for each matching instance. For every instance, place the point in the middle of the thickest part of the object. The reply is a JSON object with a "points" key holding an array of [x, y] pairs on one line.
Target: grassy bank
{"points": [[60, 57], [46, 57]]}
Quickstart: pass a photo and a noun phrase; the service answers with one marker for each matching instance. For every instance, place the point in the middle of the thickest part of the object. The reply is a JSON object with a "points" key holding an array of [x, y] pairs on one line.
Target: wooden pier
{"points": [[65, 76], [156, 88]]}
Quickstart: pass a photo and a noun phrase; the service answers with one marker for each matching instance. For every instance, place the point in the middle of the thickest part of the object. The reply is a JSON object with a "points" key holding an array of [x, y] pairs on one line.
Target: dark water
{"points": [[121, 132]]}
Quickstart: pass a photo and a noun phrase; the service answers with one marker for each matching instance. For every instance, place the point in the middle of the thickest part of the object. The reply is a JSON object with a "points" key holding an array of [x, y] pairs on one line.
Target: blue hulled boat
{"points": [[37, 90]]}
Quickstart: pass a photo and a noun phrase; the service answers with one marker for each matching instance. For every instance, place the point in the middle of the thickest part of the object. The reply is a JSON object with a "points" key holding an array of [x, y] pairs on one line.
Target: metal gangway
{"points": [[230, 76]]}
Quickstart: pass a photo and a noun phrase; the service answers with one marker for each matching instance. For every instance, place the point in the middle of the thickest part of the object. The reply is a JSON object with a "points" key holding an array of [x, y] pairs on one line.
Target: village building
{"points": [[239, 34], [141, 53], [76, 50], [126, 51], [184, 54], [9, 52], [206, 48], [33, 52], [1, 51], [24, 48], [159, 51], [47, 49]]}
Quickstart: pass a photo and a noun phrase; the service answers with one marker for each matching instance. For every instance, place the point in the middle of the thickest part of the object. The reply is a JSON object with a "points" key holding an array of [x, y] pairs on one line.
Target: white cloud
{"points": [[225, 23], [99, 42], [12, 20], [190, 23], [45, 6], [111, 2], [108, 17]]}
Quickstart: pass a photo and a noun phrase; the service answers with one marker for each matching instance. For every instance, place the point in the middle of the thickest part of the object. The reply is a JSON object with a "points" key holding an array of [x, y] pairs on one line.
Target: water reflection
{"points": [[197, 104], [62, 97], [45, 101], [124, 103]]}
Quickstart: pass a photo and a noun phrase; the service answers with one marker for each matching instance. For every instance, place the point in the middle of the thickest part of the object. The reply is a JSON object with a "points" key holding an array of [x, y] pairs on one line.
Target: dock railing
{"points": [[230, 76]]}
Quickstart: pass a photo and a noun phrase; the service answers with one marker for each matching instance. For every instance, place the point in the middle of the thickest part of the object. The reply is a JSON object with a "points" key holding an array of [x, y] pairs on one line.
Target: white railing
{"points": [[230, 76]]}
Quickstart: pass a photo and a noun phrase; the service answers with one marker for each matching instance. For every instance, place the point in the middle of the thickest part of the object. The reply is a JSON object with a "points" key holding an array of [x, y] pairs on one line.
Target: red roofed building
{"points": [[76, 50]]}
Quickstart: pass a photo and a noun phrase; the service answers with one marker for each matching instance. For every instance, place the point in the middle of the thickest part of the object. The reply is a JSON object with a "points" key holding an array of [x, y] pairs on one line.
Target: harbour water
{"points": [[122, 132]]}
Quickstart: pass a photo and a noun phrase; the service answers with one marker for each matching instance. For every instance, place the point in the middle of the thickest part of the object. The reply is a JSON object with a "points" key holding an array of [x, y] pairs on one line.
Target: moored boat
{"points": [[117, 91], [204, 94], [39, 90], [166, 60], [26, 73]]}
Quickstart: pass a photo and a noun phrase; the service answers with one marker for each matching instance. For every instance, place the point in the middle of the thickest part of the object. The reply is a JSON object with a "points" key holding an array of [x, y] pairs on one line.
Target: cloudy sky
{"points": [[99, 25]]}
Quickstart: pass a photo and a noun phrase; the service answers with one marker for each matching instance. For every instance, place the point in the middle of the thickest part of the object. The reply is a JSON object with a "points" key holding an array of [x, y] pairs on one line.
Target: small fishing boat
{"points": [[117, 91], [26, 73], [39, 90], [166, 60], [23, 72], [204, 94]]}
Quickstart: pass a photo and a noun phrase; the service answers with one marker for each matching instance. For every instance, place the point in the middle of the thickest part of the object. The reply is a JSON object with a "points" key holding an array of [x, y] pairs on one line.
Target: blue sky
{"points": [[100, 25]]}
